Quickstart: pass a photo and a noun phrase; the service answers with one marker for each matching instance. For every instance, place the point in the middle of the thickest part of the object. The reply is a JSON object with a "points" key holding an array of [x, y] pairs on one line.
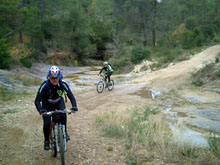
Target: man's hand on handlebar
{"points": [[43, 112], [74, 109]]}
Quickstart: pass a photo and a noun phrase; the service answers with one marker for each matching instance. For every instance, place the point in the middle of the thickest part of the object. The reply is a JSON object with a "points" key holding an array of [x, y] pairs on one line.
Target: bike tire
{"points": [[53, 143], [100, 87], [111, 85], [61, 142]]}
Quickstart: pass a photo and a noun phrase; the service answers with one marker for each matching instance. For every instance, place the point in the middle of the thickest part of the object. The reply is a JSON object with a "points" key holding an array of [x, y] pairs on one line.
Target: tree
{"points": [[5, 57]]}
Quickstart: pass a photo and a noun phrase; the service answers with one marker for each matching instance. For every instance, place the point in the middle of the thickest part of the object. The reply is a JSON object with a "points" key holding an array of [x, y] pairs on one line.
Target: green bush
{"points": [[121, 63], [208, 31], [214, 145], [191, 39], [26, 62], [168, 55], [197, 82], [217, 73], [5, 57], [191, 22], [139, 53], [217, 37]]}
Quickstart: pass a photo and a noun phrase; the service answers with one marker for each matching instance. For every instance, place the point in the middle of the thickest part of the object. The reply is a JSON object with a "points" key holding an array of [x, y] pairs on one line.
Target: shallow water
{"points": [[186, 136], [146, 93]]}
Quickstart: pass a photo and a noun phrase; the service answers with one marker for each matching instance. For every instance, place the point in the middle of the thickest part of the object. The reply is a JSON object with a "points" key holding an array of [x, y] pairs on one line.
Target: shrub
{"points": [[169, 55], [208, 30], [190, 39], [214, 145], [217, 73], [139, 53], [197, 82], [217, 37], [5, 57], [26, 62]]}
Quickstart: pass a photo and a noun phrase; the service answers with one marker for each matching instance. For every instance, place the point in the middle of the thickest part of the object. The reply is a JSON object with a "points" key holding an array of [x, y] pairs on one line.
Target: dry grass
{"points": [[25, 79], [146, 136]]}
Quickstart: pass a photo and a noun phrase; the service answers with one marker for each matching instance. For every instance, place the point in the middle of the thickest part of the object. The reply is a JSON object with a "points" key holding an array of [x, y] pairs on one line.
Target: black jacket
{"points": [[49, 92]]}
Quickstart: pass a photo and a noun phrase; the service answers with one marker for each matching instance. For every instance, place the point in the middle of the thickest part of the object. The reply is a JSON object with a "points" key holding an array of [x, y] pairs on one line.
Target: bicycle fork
{"points": [[57, 137], [64, 137]]}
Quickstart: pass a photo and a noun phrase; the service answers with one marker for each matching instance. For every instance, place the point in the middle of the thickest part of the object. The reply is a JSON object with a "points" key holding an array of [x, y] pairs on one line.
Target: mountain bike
{"points": [[104, 84], [58, 133]]}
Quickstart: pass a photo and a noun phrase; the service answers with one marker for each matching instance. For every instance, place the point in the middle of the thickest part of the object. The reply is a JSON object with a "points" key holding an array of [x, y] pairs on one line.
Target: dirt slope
{"points": [[176, 74], [21, 138]]}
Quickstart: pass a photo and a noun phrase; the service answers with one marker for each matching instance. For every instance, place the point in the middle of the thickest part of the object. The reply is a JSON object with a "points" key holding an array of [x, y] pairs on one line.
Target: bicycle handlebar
{"points": [[101, 75], [59, 111]]}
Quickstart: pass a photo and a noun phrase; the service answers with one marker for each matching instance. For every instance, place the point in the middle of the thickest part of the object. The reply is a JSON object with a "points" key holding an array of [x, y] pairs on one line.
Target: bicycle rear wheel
{"points": [[61, 143], [111, 85], [53, 143], [100, 87]]}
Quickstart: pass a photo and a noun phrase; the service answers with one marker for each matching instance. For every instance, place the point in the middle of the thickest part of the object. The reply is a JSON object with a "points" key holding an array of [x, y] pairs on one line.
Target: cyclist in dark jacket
{"points": [[108, 70], [50, 98]]}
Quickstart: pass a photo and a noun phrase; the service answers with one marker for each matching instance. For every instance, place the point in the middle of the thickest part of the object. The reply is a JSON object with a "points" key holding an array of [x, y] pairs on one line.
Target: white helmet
{"points": [[105, 63], [54, 72]]}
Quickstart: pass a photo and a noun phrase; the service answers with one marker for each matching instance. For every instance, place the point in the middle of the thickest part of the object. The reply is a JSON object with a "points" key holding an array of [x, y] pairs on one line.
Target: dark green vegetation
{"points": [[214, 143], [126, 31], [5, 58]]}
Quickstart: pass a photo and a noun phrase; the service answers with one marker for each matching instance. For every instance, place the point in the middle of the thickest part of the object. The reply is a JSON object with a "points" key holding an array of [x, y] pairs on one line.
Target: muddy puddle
{"points": [[146, 93]]}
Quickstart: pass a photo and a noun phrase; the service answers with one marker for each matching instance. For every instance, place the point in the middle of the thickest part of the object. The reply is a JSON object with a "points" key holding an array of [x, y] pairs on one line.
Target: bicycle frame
{"points": [[103, 79], [55, 126]]}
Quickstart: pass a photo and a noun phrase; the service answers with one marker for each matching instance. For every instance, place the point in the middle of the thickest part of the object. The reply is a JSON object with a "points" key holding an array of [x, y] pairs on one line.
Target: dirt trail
{"points": [[21, 138], [176, 74]]}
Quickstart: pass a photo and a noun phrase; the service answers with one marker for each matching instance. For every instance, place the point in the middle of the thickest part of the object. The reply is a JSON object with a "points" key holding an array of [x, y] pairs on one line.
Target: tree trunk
{"points": [[20, 24], [41, 11], [154, 19]]}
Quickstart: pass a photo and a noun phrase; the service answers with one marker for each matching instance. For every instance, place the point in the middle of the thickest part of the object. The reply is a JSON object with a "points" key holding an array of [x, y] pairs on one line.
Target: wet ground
{"points": [[198, 110]]}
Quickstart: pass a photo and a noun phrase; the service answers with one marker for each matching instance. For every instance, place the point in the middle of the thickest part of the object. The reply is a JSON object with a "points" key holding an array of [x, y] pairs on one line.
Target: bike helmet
{"points": [[54, 72], [105, 63]]}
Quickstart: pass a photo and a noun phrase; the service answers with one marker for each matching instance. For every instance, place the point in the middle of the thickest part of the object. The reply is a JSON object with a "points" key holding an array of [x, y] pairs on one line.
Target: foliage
{"points": [[8, 16], [209, 71], [217, 73], [26, 62], [143, 128], [11, 111], [76, 25], [5, 57], [214, 143], [84, 28], [8, 95], [121, 61], [139, 53], [198, 82]]}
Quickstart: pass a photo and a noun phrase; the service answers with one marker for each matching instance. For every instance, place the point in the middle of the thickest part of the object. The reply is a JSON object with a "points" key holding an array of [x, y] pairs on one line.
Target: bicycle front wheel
{"points": [[53, 143], [100, 87], [61, 143], [111, 85]]}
